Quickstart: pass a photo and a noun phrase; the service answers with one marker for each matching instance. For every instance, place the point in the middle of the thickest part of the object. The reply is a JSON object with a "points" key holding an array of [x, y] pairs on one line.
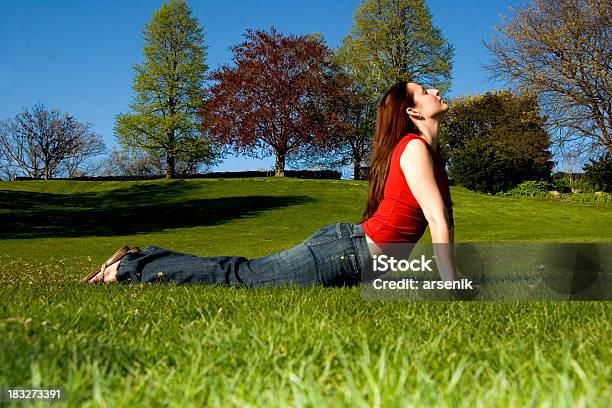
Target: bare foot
{"points": [[108, 275]]}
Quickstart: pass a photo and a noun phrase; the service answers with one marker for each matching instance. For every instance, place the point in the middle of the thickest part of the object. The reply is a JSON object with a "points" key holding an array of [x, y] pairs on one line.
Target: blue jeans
{"points": [[333, 256]]}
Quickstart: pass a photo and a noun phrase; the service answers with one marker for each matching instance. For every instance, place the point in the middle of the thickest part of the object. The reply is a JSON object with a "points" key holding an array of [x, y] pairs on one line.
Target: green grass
{"points": [[169, 345]]}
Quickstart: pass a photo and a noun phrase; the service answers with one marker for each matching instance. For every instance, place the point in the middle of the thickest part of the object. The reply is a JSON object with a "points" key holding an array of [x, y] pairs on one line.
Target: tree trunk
{"points": [[356, 168], [169, 166], [170, 156], [280, 164]]}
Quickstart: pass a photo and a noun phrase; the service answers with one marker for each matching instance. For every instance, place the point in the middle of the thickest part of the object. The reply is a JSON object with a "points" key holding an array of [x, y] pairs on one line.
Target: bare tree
{"points": [[39, 141], [572, 164], [132, 163], [122, 162], [19, 151], [7, 170], [78, 164], [562, 50]]}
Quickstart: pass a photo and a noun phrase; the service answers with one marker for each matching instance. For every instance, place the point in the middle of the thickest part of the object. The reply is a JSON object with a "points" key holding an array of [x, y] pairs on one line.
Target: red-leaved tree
{"points": [[283, 94]]}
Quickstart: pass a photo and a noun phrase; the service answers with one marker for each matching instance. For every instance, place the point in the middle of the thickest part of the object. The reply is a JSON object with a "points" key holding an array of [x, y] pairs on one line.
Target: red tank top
{"points": [[399, 217]]}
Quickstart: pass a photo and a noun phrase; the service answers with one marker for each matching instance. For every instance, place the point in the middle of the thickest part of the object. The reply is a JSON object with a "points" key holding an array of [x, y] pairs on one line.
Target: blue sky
{"points": [[77, 56]]}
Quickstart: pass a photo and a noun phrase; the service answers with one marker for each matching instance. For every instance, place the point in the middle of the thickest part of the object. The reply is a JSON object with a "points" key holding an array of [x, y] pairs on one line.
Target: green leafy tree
{"points": [[169, 91], [495, 141], [390, 41]]}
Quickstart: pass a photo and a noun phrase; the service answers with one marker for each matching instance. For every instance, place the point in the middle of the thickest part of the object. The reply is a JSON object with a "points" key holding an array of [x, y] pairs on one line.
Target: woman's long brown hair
{"points": [[392, 124]]}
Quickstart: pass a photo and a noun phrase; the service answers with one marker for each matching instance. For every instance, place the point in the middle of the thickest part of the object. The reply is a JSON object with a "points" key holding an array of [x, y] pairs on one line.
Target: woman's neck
{"points": [[428, 128]]}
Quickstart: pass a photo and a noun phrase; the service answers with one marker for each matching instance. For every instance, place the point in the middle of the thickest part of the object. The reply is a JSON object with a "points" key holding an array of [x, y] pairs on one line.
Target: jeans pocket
{"points": [[323, 235], [351, 265]]}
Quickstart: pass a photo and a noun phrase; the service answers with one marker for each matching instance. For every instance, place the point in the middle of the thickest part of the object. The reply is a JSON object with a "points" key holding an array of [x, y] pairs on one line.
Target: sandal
{"points": [[117, 256]]}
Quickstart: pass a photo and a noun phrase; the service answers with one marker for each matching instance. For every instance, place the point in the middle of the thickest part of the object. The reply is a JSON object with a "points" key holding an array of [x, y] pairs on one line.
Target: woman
{"points": [[408, 190]]}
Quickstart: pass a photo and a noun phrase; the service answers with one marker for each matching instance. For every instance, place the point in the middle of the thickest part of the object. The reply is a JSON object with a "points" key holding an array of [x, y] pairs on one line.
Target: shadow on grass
{"points": [[139, 208], [132, 195]]}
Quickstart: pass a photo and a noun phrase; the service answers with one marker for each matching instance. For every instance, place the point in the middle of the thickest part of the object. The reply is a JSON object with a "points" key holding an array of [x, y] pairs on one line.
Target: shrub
{"points": [[599, 173], [584, 186], [490, 167], [529, 188], [561, 183], [532, 188], [477, 167], [588, 198]]}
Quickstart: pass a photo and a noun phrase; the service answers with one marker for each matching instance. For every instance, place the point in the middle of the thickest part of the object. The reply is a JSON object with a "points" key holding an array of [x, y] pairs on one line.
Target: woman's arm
{"points": [[418, 168]]}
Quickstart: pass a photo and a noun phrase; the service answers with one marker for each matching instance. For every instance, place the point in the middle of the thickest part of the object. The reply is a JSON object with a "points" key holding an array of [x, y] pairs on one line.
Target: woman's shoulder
{"points": [[400, 148], [411, 136]]}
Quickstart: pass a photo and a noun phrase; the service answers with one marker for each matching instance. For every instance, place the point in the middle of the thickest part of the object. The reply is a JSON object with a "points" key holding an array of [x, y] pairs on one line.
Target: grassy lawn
{"points": [[170, 345]]}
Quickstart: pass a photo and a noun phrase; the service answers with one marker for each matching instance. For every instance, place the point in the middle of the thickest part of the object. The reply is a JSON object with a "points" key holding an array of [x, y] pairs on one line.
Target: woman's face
{"points": [[427, 102]]}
